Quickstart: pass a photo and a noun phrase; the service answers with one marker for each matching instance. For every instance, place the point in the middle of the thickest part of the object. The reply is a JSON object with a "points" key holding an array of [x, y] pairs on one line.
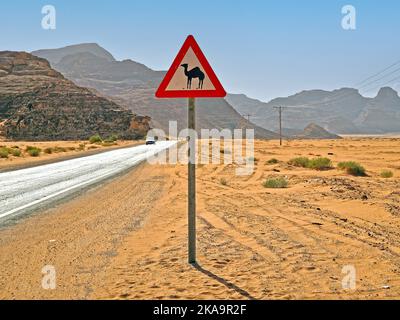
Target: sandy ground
{"points": [[127, 238], [61, 150]]}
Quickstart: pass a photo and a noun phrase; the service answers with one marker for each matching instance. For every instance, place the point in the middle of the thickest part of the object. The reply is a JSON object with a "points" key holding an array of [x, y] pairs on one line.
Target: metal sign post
{"points": [[192, 184], [191, 76]]}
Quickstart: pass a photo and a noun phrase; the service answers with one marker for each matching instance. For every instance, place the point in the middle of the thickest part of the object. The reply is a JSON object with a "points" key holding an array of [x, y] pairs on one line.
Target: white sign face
{"points": [[190, 75]]}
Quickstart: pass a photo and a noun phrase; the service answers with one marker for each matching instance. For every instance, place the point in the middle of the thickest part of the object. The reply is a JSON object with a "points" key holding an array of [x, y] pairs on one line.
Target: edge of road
{"points": [[83, 154], [12, 219], [41, 207]]}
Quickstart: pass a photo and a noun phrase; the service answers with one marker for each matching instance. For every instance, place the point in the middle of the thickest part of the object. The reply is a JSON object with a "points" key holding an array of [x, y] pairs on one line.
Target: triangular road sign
{"points": [[190, 75]]}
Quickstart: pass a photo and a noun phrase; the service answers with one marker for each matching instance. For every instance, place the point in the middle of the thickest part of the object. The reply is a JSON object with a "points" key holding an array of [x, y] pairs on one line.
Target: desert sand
{"points": [[126, 239]]}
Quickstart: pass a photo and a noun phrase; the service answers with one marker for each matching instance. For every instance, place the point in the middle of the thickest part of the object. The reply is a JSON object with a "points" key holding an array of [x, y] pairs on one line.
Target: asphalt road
{"points": [[23, 191]]}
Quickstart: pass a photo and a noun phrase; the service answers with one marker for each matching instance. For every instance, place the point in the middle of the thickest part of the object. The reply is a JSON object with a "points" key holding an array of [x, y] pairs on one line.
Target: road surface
{"points": [[25, 190]]}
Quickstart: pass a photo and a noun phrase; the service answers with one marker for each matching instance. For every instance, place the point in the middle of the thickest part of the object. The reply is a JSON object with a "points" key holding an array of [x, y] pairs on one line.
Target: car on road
{"points": [[150, 140]]}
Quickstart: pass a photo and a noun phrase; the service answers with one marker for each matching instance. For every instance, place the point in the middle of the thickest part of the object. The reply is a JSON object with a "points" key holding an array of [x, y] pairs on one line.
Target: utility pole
{"points": [[280, 109], [247, 116]]}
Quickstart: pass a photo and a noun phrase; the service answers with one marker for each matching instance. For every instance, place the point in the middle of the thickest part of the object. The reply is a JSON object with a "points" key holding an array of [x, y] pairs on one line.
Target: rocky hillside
{"points": [[133, 85], [38, 103], [343, 111], [55, 55], [313, 131]]}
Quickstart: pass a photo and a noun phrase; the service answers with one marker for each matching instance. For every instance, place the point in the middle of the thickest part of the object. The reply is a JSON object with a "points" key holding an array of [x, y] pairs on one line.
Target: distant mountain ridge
{"points": [[343, 111], [313, 131], [133, 85], [55, 55], [110, 77]]}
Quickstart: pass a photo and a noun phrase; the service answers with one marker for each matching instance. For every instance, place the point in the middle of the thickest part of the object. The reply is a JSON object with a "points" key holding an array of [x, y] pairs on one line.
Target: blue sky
{"points": [[263, 48]]}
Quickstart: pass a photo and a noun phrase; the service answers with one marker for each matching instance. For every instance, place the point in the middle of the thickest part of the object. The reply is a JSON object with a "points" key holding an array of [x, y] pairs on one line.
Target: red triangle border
{"points": [[162, 91]]}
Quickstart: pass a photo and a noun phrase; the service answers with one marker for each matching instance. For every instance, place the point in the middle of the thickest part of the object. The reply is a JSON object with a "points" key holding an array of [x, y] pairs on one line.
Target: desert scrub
{"points": [[272, 161], [386, 174], [95, 139], [58, 149], [299, 162], [15, 152], [275, 183], [315, 163], [33, 151], [107, 143], [223, 181], [48, 150], [112, 138], [320, 164], [353, 168], [3, 153]]}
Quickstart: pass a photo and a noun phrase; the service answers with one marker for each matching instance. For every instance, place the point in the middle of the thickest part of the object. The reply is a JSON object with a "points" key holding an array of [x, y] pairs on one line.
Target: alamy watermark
{"points": [[349, 280], [238, 147], [49, 277], [349, 20], [49, 18]]}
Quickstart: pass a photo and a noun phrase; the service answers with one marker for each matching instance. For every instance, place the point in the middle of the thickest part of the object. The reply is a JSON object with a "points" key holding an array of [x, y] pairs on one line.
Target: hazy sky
{"points": [[262, 48]]}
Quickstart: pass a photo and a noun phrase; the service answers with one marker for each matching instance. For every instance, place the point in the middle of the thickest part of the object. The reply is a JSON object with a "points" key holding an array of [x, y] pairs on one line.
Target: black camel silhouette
{"points": [[194, 73]]}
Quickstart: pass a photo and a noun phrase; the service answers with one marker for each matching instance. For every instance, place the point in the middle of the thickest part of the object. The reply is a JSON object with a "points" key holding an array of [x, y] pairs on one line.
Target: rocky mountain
{"points": [[133, 85], [107, 76], [55, 55], [39, 103], [313, 131], [381, 114], [343, 111]]}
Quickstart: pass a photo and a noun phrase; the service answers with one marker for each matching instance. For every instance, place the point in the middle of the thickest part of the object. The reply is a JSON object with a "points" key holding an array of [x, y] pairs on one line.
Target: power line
{"points": [[381, 78], [341, 97], [377, 74], [380, 86]]}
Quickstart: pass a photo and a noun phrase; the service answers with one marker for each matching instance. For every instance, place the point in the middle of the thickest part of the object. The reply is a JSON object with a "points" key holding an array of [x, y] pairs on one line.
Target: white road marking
{"points": [[21, 190]]}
